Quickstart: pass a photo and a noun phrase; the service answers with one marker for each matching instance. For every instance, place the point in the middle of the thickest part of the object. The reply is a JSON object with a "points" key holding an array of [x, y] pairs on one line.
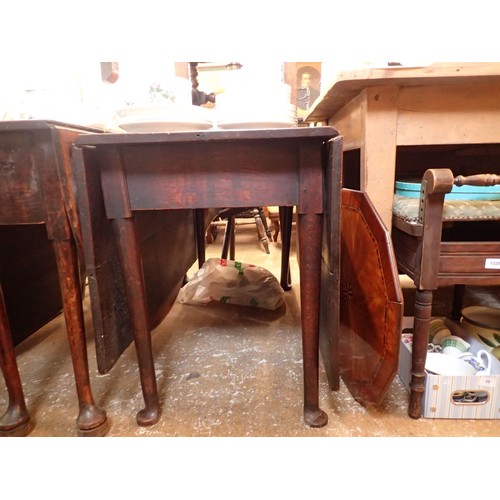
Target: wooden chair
{"points": [[443, 243], [273, 214], [230, 215]]}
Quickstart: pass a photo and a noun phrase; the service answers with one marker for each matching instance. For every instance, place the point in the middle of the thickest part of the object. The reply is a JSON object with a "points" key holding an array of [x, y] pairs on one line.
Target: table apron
{"points": [[179, 176]]}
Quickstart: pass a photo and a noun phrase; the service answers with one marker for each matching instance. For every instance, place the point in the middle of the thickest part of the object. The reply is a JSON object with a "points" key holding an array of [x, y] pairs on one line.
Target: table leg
{"points": [[310, 233], [423, 311], [131, 266], [92, 420], [286, 217], [15, 422]]}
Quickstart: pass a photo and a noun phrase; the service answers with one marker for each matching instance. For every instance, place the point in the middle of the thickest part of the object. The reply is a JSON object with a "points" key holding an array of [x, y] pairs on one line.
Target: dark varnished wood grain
{"points": [[168, 249], [371, 301], [123, 175], [330, 266], [35, 190]]}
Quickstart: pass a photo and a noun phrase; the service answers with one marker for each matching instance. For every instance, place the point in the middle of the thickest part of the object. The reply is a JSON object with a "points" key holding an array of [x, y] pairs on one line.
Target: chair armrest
{"points": [[435, 184]]}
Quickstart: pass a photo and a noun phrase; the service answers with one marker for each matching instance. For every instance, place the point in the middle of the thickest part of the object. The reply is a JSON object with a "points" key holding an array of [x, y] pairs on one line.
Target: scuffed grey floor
{"points": [[222, 370]]}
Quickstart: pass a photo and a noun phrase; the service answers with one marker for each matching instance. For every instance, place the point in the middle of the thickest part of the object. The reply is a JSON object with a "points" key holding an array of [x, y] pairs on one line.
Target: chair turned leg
{"points": [[261, 230], [232, 244], [15, 422], [276, 229], [228, 242], [92, 420], [263, 218], [423, 311]]}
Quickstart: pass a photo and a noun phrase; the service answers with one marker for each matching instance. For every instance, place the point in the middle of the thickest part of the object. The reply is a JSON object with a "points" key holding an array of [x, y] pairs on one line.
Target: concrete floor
{"points": [[222, 370]]}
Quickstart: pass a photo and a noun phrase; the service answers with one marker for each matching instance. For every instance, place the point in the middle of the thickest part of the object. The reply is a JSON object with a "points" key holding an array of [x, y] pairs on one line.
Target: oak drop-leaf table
{"points": [[198, 170]]}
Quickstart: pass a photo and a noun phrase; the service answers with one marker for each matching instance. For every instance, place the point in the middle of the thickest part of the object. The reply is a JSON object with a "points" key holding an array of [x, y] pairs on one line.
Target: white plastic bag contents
{"points": [[232, 282]]}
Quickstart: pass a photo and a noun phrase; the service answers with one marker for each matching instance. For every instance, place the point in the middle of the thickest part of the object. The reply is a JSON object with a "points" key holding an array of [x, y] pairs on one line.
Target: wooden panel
{"points": [[20, 183], [29, 277], [177, 181], [369, 122], [407, 249], [310, 179], [378, 154], [458, 114], [168, 250], [470, 256], [371, 301], [63, 139], [330, 267], [349, 121]]}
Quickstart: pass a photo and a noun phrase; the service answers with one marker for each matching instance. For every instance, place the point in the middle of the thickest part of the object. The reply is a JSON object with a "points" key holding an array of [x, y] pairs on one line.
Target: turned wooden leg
{"points": [[232, 245], [276, 229], [15, 422], [263, 218], [228, 243], [286, 216], [423, 311], [91, 421], [261, 230], [310, 232], [131, 267]]}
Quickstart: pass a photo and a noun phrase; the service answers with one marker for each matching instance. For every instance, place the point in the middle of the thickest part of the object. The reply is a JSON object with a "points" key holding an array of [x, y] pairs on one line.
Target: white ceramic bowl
{"points": [[164, 118]]}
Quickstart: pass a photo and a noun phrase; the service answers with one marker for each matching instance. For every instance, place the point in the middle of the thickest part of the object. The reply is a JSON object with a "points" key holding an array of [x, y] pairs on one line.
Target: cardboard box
{"points": [[438, 401]]}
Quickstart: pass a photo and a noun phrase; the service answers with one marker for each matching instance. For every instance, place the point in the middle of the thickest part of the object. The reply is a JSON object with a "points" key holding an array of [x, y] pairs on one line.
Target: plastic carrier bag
{"points": [[221, 280]]}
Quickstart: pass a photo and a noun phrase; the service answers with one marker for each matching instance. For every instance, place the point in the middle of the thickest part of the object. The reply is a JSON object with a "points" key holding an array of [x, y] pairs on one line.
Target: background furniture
{"points": [[386, 113], [230, 215], [39, 267], [398, 122], [273, 214], [439, 243], [121, 175]]}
